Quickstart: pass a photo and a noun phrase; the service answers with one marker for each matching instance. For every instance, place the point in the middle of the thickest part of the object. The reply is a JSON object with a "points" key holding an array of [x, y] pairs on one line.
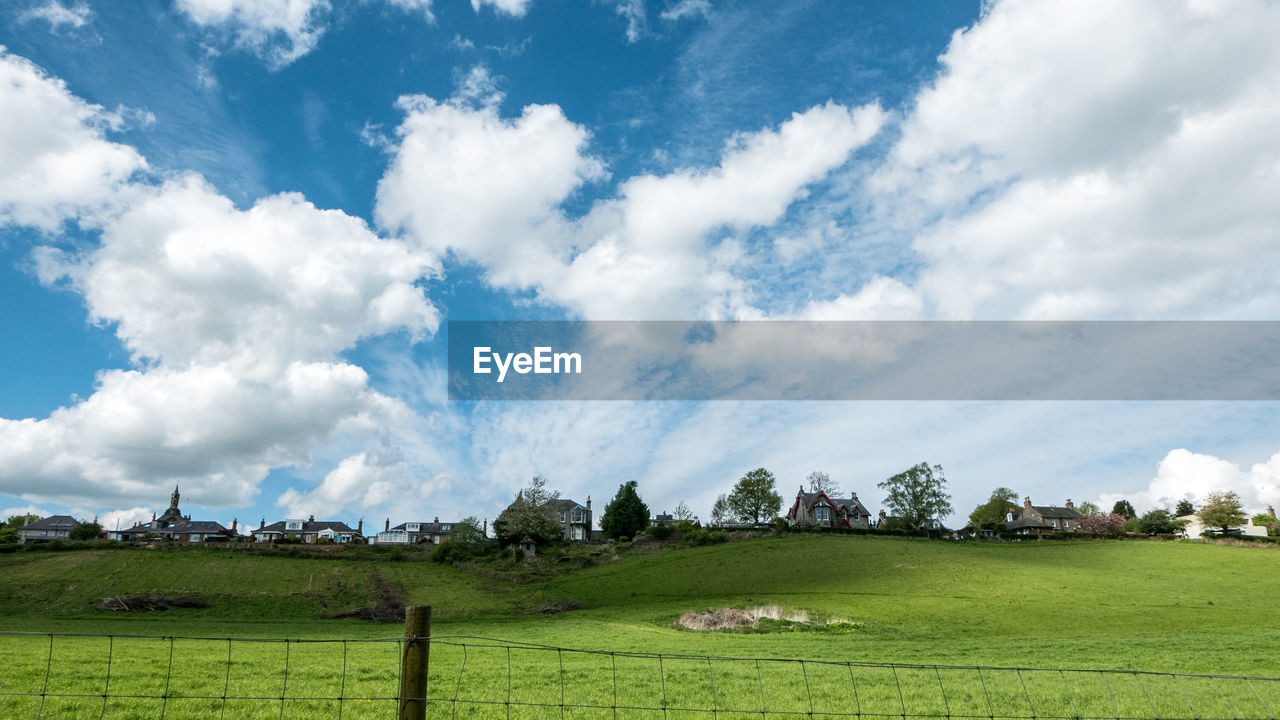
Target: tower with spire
{"points": [[173, 514]]}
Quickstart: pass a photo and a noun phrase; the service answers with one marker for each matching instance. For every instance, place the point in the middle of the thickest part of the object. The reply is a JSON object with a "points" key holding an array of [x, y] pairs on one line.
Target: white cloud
{"points": [[633, 11], [191, 280], [1096, 160], [59, 15], [687, 9], [121, 519], [278, 31], [55, 162], [490, 189], [514, 8], [1185, 475], [422, 7], [365, 480], [23, 510], [234, 318]]}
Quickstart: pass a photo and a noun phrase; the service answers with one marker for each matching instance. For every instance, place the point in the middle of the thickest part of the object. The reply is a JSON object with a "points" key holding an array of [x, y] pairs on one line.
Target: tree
{"points": [[1222, 510], [85, 531], [822, 482], [531, 514], [918, 494], [720, 512], [1159, 522], [1122, 507], [754, 499], [1184, 507], [626, 514], [1088, 508], [466, 540], [1102, 524], [992, 513], [682, 512]]}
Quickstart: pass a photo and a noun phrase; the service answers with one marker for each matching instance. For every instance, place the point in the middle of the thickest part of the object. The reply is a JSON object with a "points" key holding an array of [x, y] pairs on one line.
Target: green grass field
{"points": [[1172, 607]]}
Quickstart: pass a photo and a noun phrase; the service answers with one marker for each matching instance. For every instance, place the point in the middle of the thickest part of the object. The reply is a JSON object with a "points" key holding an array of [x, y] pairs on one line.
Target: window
{"points": [[293, 525], [412, 527], [561, 517], [823, 514], [577, 515]]}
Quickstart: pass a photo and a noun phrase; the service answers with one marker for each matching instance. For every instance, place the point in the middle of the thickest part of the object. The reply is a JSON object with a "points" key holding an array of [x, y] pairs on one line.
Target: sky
{"points": [[232, 233]]}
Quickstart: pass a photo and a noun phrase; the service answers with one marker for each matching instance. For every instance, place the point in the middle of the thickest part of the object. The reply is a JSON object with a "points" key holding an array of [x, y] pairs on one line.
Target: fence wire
{"points": [[63, 675]]}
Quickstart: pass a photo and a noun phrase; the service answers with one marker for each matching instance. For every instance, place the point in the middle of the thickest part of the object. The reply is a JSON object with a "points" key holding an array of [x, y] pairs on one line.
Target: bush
{"points": [[660, 532]]}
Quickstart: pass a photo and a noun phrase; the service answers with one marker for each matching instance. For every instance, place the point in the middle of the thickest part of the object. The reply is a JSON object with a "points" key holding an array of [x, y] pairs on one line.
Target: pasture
{"points": [[926, 628]]}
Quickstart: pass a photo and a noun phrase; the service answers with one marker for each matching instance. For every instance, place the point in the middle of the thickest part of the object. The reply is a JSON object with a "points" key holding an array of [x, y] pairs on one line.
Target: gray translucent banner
{"points": [[793, 360]]}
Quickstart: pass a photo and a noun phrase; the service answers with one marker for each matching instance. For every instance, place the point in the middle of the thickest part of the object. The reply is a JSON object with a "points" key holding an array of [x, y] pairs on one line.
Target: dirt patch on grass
{"points": [[767, 618], [386, 601], [150, 602], [556, 608]]}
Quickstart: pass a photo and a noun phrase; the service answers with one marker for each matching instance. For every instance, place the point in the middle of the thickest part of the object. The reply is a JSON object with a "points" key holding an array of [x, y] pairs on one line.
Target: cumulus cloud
{"points": [[234, 318], [55, 161], [365, 480], [490, 190], [278, 31], [1095, 161], [189, 279], [1186, 475]]}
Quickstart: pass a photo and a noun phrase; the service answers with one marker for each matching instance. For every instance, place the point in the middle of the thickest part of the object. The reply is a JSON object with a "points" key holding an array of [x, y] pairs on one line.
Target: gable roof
{"points": [[53, 522], [565, 504], [182, 526], [311, 526], [426, 527], [849, 505], [1057, 512]]}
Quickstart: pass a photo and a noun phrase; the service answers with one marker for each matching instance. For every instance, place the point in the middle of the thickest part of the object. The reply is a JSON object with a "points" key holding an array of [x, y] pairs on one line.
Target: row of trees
{"points": [[1222, 510]]}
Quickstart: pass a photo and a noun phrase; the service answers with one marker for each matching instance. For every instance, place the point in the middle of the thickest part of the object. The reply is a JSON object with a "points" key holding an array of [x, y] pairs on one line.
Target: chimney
{"points": [[360, 527], [855, 496], [388, 527], [801, 488], [588, 502], [234, 522], [311, 518], [1271, 511], [1071, 504], [485, 531], [437, 520], [262, 523], [1026, 504]]}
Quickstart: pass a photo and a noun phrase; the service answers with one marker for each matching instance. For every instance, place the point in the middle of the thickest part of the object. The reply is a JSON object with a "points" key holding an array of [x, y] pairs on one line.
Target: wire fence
{"points": [[60, 675]]}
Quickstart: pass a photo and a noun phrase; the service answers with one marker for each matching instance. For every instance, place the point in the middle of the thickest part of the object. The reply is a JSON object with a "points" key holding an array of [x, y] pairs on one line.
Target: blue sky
{"points": [[231, 233]]}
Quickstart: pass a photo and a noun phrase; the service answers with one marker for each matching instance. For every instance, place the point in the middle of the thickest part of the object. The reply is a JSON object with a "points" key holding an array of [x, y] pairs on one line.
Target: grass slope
{"points": [[1170, 606]]}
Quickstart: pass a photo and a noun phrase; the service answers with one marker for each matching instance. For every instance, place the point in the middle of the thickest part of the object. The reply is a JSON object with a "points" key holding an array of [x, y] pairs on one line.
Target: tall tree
{"points": [[992, 513], [720, 512], [918, 494], [1222, 510], [755, 498], [1088, 508], [1159, 522], [531, 515], [822, 482], [682, 512], [626, 514], [1184, 507], [1122, 507], [86, 531]]}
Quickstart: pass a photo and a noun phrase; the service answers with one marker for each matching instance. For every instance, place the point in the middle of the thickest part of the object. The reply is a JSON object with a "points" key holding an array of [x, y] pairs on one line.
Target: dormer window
{"points": [[292, 524], [446, 527], [413, 527]]}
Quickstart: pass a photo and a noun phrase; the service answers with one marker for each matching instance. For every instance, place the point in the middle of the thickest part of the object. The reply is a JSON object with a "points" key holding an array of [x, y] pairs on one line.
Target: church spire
{"points": [[173, 499]]}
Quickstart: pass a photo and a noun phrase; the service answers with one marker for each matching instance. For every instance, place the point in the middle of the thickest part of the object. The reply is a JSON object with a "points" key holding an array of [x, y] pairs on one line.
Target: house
{"points": [[175, 526], [1043, 519], [663, 519], [54, 527], [819, 510], [1195, 527], [309, 531], [932, 526], [574, 518], [414, 533]]}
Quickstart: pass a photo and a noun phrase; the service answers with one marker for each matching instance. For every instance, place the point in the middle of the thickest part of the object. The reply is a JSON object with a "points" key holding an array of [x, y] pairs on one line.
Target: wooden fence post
{"points": [[413, 666]]}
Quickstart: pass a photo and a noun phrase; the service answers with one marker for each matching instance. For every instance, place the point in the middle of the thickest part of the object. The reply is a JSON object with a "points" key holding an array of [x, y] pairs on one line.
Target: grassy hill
{"points": [[1173, 606]]}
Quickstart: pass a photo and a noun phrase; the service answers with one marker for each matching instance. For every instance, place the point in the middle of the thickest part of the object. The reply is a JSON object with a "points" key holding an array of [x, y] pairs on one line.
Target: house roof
{"points": [[1027, 522], [182, 526], [310, 526], [847, 505], [563, 504], [426, 527], [53, 522], [1057, 512]]}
